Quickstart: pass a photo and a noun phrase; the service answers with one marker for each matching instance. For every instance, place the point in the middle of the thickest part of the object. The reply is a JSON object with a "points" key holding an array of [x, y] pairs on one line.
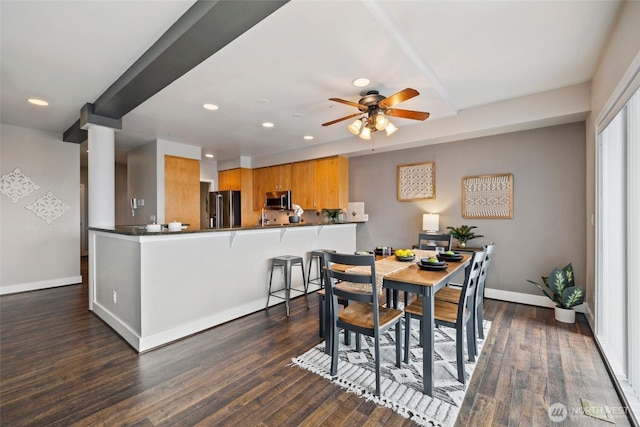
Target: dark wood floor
{"points": [[60, 365]]}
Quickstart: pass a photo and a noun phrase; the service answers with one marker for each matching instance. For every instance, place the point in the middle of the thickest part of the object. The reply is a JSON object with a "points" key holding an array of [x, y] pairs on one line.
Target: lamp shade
{"points": [[430, 222], [354, 127]]}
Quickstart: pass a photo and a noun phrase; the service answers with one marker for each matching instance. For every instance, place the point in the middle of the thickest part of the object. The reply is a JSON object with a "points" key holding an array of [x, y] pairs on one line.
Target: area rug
{"points": [[401, 388]]}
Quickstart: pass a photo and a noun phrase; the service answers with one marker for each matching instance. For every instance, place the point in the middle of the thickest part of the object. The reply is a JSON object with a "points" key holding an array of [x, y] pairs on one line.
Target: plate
{"points": [[429, 267], [456, 257], [425, 261], [405, 258]]}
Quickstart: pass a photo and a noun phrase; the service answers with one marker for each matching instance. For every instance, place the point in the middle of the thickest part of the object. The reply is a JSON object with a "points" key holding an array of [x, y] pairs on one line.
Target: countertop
{"points": [[140, 230]]}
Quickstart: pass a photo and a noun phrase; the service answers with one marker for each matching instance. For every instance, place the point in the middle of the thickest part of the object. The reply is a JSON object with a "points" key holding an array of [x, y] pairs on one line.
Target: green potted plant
{"points": [[560, 288], [463, 234]]}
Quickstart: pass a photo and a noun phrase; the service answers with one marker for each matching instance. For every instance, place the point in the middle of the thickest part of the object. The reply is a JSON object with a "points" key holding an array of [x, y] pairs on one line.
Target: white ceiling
{"points": [[462, 56]]}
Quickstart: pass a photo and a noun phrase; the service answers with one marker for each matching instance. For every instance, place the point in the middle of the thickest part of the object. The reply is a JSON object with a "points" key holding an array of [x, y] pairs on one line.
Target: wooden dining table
{"points": [[426, 283], [409, 277]]}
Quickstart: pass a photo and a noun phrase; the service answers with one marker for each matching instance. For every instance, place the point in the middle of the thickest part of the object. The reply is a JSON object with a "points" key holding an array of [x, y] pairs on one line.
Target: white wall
{"points": [[547, 229], [34, 254]]}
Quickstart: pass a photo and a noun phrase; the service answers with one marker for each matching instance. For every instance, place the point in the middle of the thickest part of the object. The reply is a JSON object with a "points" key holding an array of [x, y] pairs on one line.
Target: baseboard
{"points": [[537, 300], [144, 343], [34, 286]]}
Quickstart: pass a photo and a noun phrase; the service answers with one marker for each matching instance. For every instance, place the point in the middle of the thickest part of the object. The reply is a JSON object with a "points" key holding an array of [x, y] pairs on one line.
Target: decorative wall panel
{"points": [[16, 185], [416, 182], [48, 207], [487, 196]]}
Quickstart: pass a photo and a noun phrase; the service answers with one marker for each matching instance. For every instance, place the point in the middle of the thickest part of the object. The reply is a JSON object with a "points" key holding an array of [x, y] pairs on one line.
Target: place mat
{"points": [[384, 267]]}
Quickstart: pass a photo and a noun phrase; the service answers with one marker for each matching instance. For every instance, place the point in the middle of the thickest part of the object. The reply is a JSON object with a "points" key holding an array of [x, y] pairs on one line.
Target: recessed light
{"points": [[38, 102], [211, 156], [211, 107], [268, 124], [308, 137], [361, 82]]}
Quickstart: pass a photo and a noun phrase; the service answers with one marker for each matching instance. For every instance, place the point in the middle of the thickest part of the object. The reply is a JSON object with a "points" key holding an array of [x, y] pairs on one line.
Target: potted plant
{"points": [[560, 288], [463, 234]]}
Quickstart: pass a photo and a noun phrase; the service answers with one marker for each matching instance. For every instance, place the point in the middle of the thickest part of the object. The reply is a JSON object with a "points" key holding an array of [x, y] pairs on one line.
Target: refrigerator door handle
{"points": [[219, 218]]}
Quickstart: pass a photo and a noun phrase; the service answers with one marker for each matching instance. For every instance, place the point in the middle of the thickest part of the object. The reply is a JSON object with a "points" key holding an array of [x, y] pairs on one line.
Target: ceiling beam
{"points": [[396, 33], [200, 32]]}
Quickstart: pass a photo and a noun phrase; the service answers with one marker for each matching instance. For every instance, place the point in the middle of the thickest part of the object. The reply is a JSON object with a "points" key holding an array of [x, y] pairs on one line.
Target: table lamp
{"points": [[431, 222]]}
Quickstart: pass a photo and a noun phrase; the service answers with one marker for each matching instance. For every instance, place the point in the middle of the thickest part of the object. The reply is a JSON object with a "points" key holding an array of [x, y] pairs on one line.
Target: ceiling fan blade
{"points": [[407, 114], [341, 119], [353, 104], [399, 97]]}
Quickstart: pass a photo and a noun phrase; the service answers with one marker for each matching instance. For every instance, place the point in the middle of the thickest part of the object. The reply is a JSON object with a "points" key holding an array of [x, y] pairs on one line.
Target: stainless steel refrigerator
{"points": [[224, 209]]}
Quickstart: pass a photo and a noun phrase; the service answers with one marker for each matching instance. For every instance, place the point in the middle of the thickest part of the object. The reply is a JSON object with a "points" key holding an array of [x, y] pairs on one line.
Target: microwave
{"points": [[278, 200]]}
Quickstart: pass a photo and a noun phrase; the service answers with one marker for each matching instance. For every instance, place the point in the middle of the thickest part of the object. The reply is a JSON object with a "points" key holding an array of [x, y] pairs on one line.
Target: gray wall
{"points": [[548, 225], [35, 254]]}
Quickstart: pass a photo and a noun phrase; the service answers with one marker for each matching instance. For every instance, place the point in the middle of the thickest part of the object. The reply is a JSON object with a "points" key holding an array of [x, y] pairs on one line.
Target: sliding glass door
{"points": [[617, 240]]}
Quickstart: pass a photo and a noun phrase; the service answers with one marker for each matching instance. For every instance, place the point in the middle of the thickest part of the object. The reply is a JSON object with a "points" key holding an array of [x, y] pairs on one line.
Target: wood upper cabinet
{"points": [[182, 190], [321, 183], [332, 183], [230, 180], [303, 183], [271, 178]]}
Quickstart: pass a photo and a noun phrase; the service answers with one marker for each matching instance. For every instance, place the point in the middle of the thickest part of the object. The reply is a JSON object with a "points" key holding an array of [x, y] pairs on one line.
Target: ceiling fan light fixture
{"points": [[381, 122], [390, 128], [355, 127], [366, 133]]}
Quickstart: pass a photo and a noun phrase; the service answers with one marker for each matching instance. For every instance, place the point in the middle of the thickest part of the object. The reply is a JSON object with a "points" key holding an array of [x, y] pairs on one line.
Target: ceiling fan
{"points": [[373, 109]]}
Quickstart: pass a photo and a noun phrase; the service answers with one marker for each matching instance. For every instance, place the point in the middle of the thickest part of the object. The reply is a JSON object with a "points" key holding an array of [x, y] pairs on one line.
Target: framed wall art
{"points": [[487, 196], [416, 182]]}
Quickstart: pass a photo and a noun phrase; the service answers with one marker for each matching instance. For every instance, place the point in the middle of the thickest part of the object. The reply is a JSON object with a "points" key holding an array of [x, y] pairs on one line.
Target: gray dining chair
{"points": [[363, 315], [452, 294], [459, 316], [429, 241]]}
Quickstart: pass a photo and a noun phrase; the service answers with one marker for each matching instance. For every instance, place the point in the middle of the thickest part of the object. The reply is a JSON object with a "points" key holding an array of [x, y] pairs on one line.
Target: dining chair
{"points": [[459, 316], [430, 241], [452, 294], [363, 315]]}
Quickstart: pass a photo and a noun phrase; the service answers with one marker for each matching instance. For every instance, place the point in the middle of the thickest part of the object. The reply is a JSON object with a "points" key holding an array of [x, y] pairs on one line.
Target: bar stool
{"points": [[318, 256], [286, 262]]}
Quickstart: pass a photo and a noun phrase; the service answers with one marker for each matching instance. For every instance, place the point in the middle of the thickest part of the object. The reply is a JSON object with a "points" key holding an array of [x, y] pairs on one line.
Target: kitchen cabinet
{"points": [[302, 184], [271, 178], [321, 183], [182, 190], [230, 180], [332, 182]]}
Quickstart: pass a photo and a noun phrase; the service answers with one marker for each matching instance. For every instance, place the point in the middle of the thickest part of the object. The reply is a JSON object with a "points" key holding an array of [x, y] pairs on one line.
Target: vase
{"points": [[462, 244], [565, 315]]}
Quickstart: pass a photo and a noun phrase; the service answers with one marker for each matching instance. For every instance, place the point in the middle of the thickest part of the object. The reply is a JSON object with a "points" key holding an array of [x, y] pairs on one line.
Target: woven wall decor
{"points": [[416, 182], [487, 196]]}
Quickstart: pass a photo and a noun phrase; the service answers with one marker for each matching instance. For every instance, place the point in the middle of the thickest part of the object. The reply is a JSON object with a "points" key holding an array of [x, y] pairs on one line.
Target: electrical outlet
{"points": [[115, 297]]}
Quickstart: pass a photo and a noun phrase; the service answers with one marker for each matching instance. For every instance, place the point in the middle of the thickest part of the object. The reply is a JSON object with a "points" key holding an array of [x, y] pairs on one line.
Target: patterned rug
{"points": [[401, 387]]}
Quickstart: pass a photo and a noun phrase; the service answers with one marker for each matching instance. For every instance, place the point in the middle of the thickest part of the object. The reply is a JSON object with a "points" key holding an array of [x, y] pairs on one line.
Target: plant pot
{"points": [[565, 315]]}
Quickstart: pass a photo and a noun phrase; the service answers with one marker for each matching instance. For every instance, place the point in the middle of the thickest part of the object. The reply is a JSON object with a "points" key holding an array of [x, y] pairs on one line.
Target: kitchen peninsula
{"points": [[155, 288]]}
